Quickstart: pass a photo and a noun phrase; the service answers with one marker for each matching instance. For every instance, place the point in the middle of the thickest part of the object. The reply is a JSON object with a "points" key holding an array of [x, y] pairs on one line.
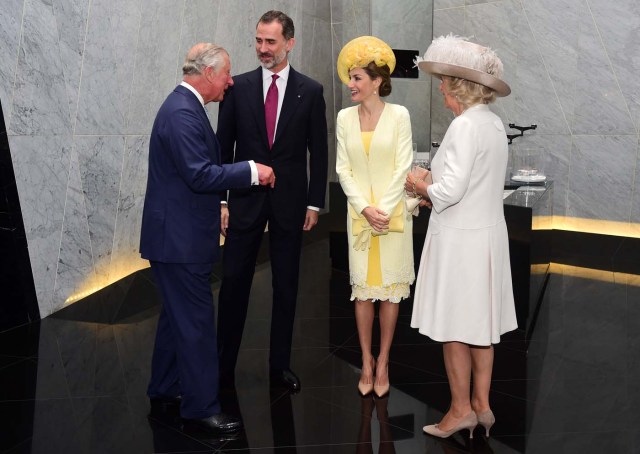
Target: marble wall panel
{"points": [[447, 21], [618, 24], [10, 32], [198, 24], [503, 26], [126, 257], [235, 31], [600, 107], [356, 18], [555, 26], [415, 96], [444, 4], [101, 161], [602, 170], [112, 37], [355, 21], [155, 59], [41, 166], [320, 9], [75, 263], [635, 201], [40, 101], [315, 47], [405, 12], [71, 19]]}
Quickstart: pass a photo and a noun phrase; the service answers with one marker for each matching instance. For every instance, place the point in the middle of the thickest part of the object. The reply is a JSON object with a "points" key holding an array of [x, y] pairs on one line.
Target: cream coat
{"points": [[384, 172], [464, 291]]}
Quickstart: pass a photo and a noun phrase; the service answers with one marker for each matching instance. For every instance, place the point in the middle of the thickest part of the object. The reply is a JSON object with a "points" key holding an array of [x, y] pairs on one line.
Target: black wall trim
{"points": [[18, 301], [602, 252]]}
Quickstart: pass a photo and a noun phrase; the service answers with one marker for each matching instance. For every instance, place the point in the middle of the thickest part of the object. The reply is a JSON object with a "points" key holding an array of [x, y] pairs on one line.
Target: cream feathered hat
{"points": [[456, 57]]}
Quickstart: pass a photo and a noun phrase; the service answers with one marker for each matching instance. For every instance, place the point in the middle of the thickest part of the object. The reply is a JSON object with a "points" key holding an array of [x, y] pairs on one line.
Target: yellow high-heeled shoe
{"points": [[486, 419], [468, 422]]}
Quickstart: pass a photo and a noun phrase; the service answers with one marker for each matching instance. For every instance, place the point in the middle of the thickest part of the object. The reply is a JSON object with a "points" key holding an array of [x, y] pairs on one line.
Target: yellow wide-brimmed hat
{"points": [[457, 57], [361, 51]]}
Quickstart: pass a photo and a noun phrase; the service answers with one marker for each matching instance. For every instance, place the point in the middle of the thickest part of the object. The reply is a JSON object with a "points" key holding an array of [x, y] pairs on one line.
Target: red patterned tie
{"points": [[271, 109]]}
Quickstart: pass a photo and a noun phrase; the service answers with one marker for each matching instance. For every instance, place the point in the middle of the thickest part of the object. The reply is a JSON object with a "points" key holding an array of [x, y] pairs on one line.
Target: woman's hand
{"points": [[416, 185], [377, 219]]}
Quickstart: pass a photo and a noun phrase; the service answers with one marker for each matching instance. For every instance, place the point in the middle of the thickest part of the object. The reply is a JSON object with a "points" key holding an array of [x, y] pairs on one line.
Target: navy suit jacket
{"points": [[301, 132], [181, 215]]}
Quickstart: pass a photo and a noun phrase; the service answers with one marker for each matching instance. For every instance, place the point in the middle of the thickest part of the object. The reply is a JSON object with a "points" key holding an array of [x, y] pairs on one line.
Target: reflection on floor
{"points": [[69, 386]]}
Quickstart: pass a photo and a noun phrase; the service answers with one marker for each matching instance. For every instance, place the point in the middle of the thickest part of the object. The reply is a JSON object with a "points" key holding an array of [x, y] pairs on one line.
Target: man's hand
{"points": [[224, 219], [310, 220], [266, 175]]}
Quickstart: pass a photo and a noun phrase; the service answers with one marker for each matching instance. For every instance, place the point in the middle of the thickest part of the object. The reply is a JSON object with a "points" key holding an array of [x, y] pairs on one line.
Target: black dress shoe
{"points": [[285, 378], [215, 424]]}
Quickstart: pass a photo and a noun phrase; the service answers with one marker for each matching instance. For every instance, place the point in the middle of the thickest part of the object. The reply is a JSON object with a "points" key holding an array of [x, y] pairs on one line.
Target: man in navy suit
{"points": [[282, 138], [181, 234]]}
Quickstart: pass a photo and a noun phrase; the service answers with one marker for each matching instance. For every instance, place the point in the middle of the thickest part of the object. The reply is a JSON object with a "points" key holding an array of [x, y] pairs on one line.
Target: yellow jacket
{"points": [[383, 173]]}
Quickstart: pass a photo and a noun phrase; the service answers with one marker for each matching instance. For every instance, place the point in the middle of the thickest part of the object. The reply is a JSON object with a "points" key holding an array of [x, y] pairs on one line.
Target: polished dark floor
{"points": [[69, 386]]}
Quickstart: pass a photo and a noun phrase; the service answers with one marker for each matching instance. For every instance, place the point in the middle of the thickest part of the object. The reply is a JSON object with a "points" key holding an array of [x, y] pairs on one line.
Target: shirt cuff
{"points": [[254, 173], [313, 208]]}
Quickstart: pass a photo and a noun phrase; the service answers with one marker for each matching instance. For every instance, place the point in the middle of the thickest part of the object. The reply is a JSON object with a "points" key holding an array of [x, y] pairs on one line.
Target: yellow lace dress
{"points": [[374, 290]]}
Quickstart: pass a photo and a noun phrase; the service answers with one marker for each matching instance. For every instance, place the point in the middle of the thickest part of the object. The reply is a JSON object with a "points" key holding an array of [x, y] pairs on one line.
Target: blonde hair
{"points": [[469, 93]]}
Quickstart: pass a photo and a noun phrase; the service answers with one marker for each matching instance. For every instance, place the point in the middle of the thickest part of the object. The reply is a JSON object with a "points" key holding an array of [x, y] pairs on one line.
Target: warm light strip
{"points": [[602, 227], [595, 275], [572, 224], [93, 284]]}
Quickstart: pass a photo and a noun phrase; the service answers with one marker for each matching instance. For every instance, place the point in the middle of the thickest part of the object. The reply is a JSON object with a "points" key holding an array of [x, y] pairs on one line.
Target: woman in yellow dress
{"points": [[374, 154]]}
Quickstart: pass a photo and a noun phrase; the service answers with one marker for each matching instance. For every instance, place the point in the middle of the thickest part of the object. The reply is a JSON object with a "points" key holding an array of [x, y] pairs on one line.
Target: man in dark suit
{"points": [[276, 116], [181, 238]]}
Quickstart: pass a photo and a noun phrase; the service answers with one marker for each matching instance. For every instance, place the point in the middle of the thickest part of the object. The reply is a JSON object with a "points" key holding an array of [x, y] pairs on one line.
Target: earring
{"points": [[375, 92]]}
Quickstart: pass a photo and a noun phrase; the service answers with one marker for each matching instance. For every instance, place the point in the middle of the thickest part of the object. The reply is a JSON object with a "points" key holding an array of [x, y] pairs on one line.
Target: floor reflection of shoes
{"points": [[285, 378], [220, 423]]}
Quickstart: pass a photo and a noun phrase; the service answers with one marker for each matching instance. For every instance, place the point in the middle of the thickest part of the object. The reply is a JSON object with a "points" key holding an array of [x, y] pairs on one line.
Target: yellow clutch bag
{"points": [[396, 221]]}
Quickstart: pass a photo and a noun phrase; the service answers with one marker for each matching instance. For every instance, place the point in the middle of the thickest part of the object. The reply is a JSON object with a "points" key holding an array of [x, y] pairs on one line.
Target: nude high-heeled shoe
{"points": [[381, 390], [486, 419], [364, 389], [468, 422]]}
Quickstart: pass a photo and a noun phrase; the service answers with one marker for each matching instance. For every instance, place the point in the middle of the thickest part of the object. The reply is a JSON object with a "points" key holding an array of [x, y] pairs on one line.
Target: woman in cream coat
{"points": [[374, 154], [463, 295]]}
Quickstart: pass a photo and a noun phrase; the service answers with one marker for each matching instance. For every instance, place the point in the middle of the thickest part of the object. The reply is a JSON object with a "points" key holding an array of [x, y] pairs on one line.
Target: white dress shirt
{"points": [[281, 83]]}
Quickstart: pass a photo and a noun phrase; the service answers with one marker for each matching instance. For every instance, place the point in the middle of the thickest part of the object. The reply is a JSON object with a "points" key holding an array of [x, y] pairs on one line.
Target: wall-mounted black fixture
{"points": [[405, 66], [522, 129]]}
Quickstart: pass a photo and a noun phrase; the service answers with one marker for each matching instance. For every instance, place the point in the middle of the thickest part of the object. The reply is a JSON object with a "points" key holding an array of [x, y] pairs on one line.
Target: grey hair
{"points": [[206, 55]]}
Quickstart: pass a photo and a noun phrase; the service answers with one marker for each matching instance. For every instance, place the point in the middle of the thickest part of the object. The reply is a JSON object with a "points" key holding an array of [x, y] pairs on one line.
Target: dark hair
{"points": [[288, 30], [374, 71]]}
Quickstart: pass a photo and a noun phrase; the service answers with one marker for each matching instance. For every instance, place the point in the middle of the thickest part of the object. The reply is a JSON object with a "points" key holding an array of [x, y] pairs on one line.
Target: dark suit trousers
{"points": [[185, 357], [239, 262]]}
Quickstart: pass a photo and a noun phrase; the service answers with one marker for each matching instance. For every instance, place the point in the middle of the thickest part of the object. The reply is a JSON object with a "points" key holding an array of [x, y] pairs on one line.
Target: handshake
{"points": [[266, 177]]}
